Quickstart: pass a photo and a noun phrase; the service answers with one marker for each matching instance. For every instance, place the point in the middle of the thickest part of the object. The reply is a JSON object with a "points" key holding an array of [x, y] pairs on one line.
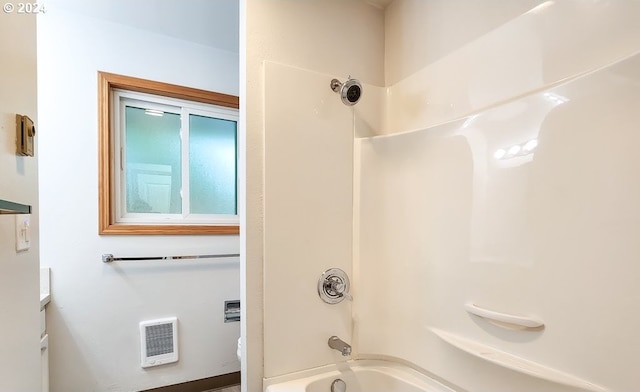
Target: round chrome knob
{"points": [[333, 286]]}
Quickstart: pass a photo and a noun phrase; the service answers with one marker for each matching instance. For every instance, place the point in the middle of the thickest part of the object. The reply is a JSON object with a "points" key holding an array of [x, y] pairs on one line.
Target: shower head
{"points": [[350, 91]]}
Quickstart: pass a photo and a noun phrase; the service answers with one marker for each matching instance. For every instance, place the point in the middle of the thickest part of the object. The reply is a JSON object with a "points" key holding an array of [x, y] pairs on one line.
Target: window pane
{"points": [[153, 169], [212, 165]]}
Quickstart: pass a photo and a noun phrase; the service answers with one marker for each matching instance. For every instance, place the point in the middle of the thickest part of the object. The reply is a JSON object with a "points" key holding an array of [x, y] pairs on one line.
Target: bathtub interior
{"points": [[365, 380], [360, 376]]}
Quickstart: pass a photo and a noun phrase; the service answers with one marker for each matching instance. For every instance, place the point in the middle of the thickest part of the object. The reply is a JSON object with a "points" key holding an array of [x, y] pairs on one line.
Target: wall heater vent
{"points": [[159, 341]]}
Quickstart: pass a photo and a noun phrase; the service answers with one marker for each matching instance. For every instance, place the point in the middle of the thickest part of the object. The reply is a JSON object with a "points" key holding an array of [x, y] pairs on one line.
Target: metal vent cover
{"points": [[159, 341]]}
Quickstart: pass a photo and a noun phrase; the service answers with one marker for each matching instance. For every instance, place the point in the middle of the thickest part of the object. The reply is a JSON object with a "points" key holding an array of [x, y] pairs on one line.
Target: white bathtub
{"points": [[359, 376]]}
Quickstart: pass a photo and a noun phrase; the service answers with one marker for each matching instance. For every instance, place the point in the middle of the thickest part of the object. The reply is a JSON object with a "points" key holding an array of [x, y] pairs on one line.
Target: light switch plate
{"points": [[23, 232]]}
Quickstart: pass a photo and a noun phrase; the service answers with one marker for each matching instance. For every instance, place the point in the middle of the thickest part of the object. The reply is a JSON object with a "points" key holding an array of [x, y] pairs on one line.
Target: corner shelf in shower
{"points": [[9, 207], [515, 363]]}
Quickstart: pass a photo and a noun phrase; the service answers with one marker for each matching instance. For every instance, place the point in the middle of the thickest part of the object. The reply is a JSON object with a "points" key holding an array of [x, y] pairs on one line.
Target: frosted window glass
{"points": [[212, 165], [152, 164]]}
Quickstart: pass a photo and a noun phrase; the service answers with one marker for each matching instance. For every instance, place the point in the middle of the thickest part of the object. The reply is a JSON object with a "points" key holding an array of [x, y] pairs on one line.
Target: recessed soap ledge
{"points": [[45, 286]]}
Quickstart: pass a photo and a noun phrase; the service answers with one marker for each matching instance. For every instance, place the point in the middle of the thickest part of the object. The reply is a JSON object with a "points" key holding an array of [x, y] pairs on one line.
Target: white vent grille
{"points": [[159, 341]]}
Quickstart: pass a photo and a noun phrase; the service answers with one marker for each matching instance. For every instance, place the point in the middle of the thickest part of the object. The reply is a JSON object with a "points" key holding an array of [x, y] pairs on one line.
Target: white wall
{"points": [[19, 273], [519, 53], [95, 310], [291, 226], [442, 223], [419, 33]]}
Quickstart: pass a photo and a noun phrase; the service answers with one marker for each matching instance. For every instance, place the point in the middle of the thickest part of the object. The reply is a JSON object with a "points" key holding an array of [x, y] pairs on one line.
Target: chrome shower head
{"points": [[350, 91]]}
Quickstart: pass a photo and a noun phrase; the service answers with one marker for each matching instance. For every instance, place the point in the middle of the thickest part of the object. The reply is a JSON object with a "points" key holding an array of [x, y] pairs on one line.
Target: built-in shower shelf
{"points": [[9, 207], [515, 363]]}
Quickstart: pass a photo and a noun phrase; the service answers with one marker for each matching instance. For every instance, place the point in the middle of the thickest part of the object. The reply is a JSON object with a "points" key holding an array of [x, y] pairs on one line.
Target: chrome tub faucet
{"points": [[337, 344]]}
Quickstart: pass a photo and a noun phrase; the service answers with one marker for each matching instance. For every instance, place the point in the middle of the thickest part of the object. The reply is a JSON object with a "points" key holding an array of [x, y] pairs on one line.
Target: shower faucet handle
{"points": [[341, 288], [333, 286]]}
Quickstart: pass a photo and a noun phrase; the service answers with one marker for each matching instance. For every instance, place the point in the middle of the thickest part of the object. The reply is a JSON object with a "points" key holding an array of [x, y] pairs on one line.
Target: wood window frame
{"points": [[106, 189]]}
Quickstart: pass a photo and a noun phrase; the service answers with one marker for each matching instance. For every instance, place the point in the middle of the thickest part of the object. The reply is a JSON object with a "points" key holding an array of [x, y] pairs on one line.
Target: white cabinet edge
{"points": [[45, 286]]}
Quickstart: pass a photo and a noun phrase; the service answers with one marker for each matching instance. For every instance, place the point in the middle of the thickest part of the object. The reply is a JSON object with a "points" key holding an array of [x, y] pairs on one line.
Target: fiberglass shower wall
{"points": [[309, 220], [514, 189], [300, 193], [308, 161]]}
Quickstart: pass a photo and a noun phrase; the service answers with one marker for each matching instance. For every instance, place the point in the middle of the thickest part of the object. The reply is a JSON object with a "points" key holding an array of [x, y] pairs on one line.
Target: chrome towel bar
{"points": [[108, 258]]}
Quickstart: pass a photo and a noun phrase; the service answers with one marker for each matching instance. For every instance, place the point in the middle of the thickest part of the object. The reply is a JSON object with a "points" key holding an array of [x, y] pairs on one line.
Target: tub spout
{"points": [[337, 344]]}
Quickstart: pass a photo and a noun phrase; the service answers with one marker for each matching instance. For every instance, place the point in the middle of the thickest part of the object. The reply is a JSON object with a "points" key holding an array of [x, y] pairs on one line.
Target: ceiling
{"points": [[379, 3], [212, 23]]}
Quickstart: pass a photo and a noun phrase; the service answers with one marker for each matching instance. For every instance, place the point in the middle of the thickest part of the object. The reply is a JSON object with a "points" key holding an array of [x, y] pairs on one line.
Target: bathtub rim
{"points": [[388, 365]]}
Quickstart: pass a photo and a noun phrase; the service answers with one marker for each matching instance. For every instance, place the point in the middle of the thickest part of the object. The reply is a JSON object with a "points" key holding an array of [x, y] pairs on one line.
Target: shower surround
{"points": [[529, 208], [497, 174]]}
